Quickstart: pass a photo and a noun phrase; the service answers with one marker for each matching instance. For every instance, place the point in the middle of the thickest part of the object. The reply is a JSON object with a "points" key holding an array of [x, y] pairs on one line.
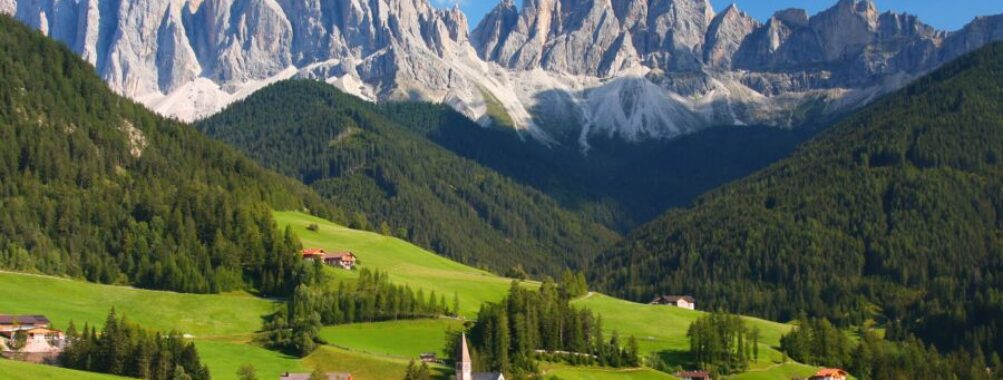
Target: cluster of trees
{"points": [[372, 298], [818, 342], [722, 343], [391, 179], [126, 349], [893, 215], [94, 186], [417, 371], [509, 336]]}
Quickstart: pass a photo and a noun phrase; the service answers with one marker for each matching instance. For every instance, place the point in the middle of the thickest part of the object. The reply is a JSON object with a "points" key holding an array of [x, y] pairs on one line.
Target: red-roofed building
{"points": [[313, 254], [829, 374], [42, 344], [345, 260]]}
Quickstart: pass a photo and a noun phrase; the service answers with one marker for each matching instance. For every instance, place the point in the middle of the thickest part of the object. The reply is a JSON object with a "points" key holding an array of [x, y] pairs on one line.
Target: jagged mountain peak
{"points": [[546, 68]]}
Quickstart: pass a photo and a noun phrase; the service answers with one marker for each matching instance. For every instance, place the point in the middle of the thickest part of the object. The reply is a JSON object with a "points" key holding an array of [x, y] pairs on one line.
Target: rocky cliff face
{"points": [[561, 70]]}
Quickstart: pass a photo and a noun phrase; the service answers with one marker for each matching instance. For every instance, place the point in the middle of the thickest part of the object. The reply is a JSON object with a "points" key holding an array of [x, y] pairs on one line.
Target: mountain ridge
{"points": [[564, 71], [893, 216]]}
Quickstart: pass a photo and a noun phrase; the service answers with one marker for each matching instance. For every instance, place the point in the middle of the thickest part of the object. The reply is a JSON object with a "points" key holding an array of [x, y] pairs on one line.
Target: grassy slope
{"points": [[660, 330], [567, 372], [223, 325], [406, 264], [10, 369], [401, 339]]}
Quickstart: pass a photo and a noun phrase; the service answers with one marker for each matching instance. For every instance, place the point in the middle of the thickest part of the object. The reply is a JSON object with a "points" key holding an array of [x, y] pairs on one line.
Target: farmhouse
{"points": [[829, 374], [306, 376], [464, 367], [693, 375], [685, 302], [429, 357], [40, 344], [345, 260]]}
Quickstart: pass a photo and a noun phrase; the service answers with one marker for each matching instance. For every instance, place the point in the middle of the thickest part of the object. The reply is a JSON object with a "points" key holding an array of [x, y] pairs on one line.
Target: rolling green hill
{"points": [[893, 215], [10, 369], [405, 263], [660, 330], [223, 325], [95, 186], [397, 181]]}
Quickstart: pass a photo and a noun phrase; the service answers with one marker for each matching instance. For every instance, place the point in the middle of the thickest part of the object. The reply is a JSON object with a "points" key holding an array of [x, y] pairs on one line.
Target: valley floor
{"points": [[224, 325]]}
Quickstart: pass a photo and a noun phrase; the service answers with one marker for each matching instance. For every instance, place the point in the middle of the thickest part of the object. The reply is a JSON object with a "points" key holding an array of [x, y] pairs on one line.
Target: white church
{"points": [[465, 368]]}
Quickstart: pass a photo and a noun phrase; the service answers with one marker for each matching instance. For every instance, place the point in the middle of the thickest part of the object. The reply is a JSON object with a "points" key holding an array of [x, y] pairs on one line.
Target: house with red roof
{"points": [[829, 374], [345, 260]]}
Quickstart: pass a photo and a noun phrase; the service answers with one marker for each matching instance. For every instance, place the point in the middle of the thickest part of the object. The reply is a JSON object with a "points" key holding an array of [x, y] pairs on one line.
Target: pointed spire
{"points": [[464, 352]]}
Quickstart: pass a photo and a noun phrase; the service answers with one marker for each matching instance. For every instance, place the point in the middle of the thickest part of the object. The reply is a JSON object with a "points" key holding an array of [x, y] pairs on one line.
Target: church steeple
{"points": [[464, 368]]}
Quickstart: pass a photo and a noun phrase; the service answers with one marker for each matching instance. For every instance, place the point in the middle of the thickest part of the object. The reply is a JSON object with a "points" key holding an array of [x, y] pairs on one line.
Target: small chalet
{"points": [[313, 254], [693, 375], [429, 357], [43, 344], [346, 260], [306, 376], [685, 302], [829, 374]]}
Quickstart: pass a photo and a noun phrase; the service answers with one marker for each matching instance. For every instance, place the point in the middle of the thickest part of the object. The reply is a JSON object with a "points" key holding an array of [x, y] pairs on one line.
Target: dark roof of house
{"points": [[23, 319], [674, 299]]}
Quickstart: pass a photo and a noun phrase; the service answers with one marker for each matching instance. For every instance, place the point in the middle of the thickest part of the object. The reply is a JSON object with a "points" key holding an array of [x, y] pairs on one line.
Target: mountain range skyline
{"points": [[930, 11], [564, 72]]}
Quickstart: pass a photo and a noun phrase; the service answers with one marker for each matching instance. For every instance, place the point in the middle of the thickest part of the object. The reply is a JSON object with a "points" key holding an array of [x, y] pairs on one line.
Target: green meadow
{"points": [[223, 326], [579, 373], [400, 339], [10, 369], [406, 263]]}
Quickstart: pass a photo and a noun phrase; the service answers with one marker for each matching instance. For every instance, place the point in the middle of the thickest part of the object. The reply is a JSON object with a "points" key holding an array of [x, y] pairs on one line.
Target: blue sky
{"points": [[943, 14]]}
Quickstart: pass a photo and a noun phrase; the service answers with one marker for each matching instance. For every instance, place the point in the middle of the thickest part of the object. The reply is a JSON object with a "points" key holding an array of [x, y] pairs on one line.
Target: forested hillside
{"points": [[894, 215], [393, 180], [623, 184], [95, 186]]}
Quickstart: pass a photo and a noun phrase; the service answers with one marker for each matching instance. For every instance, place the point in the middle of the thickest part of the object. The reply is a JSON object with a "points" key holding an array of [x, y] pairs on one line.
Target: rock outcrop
{"points": [[562, 70]]}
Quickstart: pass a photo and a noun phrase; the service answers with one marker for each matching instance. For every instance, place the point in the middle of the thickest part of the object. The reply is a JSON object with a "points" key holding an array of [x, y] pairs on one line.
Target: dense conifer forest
{"points": [[95, 186], [510, 336], [393, 180], [123, 348], [894, 216], [372, 298]]}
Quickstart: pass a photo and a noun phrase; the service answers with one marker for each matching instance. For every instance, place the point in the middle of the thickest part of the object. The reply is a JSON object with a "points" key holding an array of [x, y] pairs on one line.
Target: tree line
{"points": [[372, 298], [816, 341], [722, 343], [528, 325], [126, 349]]}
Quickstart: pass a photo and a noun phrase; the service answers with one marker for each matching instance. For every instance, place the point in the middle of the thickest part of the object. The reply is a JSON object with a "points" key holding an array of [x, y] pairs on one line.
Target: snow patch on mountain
{"points": [[561, 71]]}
